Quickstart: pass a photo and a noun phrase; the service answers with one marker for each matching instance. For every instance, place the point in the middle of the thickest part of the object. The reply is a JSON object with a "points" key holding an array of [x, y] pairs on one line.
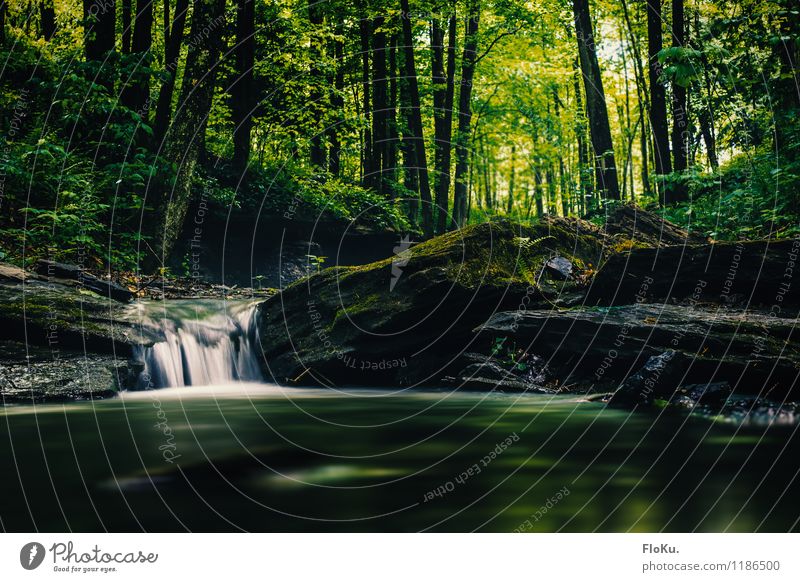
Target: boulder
{"points": [[752, 351], [406, 319], [760, 273], [632, 226], [44, 376]]}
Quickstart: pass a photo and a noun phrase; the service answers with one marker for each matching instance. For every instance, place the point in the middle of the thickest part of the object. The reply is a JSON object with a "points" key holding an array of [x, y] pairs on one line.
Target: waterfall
{"points": [[205, 342]]}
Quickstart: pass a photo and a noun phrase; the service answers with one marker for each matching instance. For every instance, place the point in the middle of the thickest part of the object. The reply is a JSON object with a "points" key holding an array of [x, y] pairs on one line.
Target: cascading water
{"points": [[205, 342]]}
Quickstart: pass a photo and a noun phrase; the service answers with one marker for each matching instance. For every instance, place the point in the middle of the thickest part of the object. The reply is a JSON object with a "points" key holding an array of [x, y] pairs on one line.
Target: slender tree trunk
{"points": [[410, 175], [127, 26], [172, 52], [137, 87], [3, 11], [366, 154], [182, 144], [680, 115], [439, 83], [465, 112], [316, 107], [416, 124], [642, 96], [47, 15], [337, 100], [512, 176], [99, 18], [658, 104], [599, 127], [585, 187], [380, 115], [242, 89], [392, 142]]}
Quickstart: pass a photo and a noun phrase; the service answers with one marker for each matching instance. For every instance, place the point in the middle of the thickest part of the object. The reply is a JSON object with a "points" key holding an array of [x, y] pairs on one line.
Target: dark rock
{"points": [[642, 228], [510, 384], [44, 376], [713, 394], [748, 350], [418, 309], [53, 269], [745, 274], [64, 317], [657, 379], [559, 267]]}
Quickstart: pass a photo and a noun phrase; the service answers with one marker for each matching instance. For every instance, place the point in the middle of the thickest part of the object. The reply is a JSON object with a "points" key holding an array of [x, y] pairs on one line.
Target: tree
{"points": [[465, 112], [443, 97], [380, 113], [99, 21], [47, 15], [415, 117], [182, 142], [172, 52], [599, 127], [242, 88], [680, 142], [658, 103], [317, 149], [137, 88]]}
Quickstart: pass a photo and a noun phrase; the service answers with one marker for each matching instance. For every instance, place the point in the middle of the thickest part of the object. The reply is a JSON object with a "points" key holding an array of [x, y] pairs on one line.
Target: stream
{"points": [[223, 452]]}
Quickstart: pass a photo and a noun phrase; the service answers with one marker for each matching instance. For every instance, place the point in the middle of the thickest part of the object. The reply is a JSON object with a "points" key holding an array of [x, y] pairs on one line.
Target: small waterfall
{"points": [[206, 342]]}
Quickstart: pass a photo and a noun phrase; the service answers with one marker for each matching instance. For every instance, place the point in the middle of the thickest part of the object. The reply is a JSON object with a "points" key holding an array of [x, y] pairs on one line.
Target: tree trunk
{"points": [[137, 87], [337, 100], [366, 154], [465, 113], [3, 10], [391, 120], [100, 23], [585, 189], [418, 139], [182, 143], [127, 26], [172, 54], [380, 101], [510, 207], [242, 89], [47, 14], [410, 175], [316, 108], [642, 96], [443, 97], [658, 104], [599, 128], [680, 115]]}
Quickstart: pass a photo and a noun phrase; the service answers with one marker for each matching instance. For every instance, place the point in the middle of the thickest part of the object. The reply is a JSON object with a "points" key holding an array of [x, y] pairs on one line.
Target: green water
{"points": [[265, 459]]}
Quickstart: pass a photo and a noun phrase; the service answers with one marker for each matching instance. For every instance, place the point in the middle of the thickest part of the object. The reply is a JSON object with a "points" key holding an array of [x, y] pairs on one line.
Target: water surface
{"points": [[264, 458]]}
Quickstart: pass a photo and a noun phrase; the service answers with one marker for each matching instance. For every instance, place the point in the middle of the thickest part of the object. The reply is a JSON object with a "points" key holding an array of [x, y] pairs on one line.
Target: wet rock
{"points": [[64, 317], [657, 379], [60, 376]]}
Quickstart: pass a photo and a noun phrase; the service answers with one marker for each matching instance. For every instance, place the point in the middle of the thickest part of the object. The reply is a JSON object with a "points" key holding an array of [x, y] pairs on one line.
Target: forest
{"points": [[400, 265], [419, 116]]}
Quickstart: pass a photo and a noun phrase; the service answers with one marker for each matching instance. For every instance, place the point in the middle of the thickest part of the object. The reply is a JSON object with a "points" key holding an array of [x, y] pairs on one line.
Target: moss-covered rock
{"points": [[404, 320]]}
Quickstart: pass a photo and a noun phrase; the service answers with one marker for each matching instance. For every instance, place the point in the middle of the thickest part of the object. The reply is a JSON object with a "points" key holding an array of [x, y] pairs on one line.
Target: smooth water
{"points": [[263, 458], [206, 342]]}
